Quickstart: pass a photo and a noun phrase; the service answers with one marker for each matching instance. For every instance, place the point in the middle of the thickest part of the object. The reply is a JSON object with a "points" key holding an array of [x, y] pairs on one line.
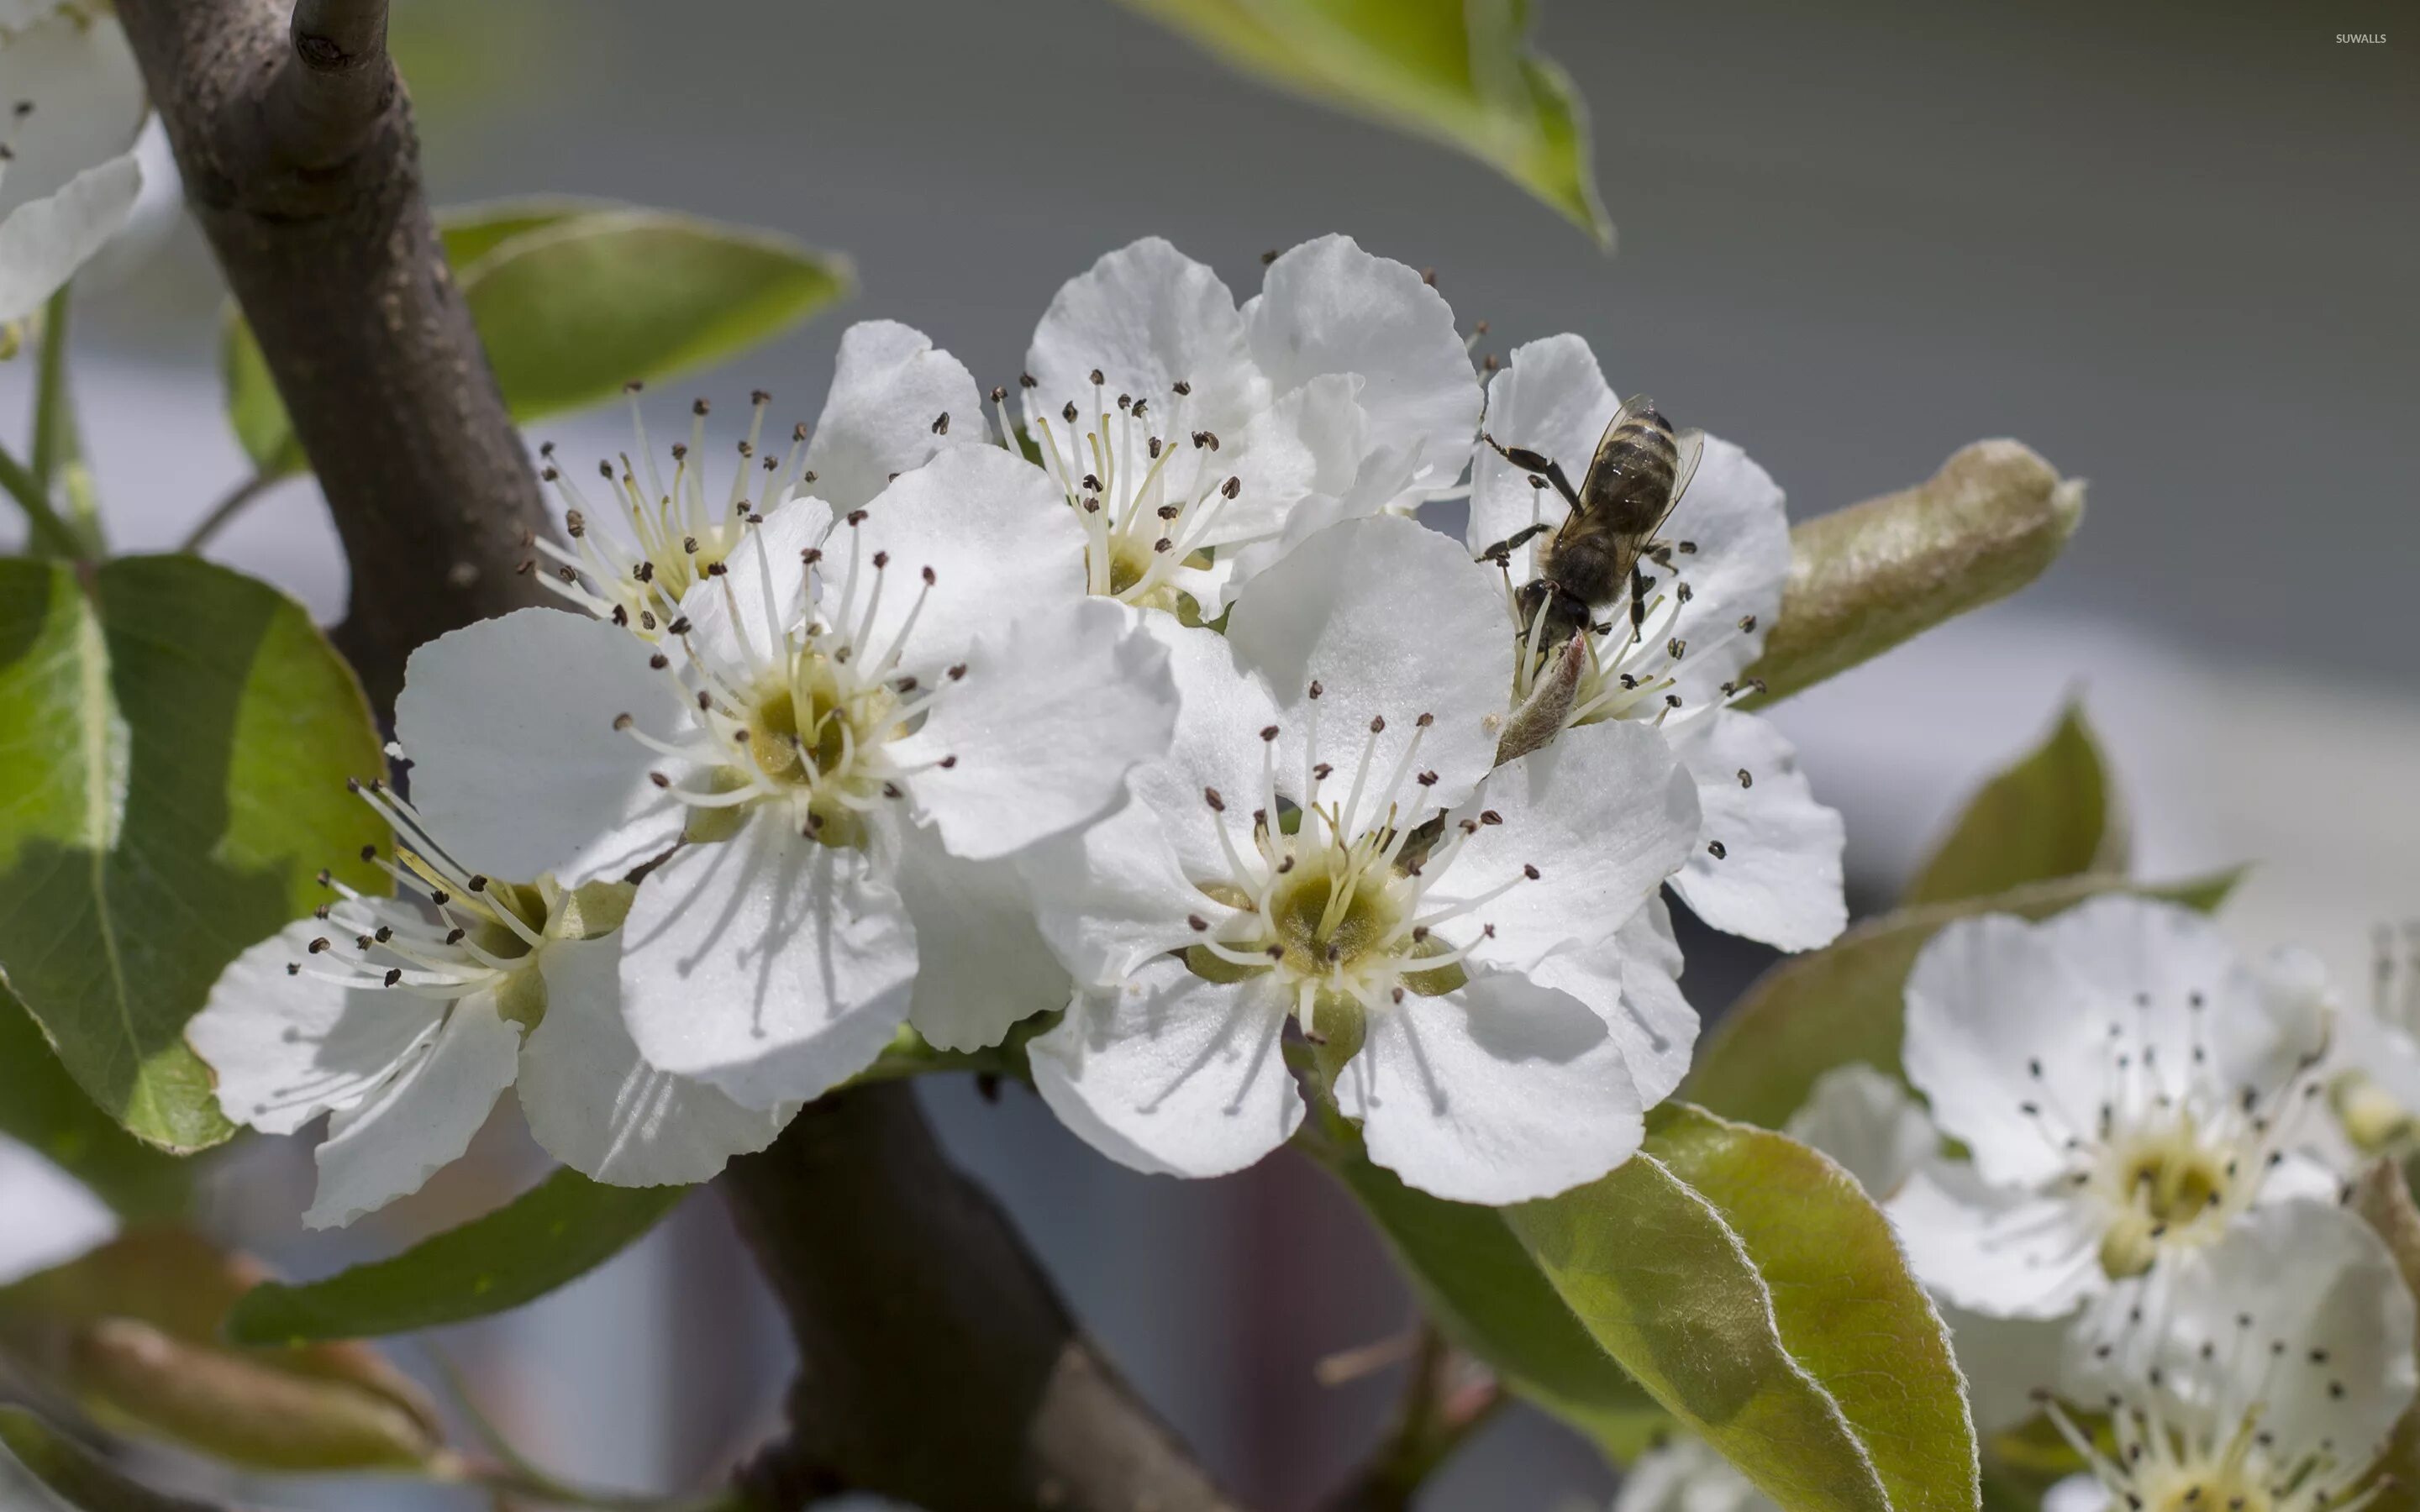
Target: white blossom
{"points": [[1768, 862], [2126, 1088], [2271, 1374], [406, 1017], [855, 726], [1196, 441], [69, 178], [1326, 845]]}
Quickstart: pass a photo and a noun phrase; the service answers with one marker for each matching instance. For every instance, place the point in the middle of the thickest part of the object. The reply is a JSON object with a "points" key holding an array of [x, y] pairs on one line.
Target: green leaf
{"points": [[1482, 1288], [1843, 1003], [1728, 1277], [554, 1233], [574, 298], [470, 232], [1458, 72], [570, 311], [41, 1106], [177, 741], [1842, 1303], [132, 1331], [2053, 814], [72, 1473], [1865, 579]]}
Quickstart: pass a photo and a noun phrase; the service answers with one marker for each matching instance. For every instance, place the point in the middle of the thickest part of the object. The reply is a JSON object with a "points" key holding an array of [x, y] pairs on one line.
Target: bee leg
{"points": [[1537, 464], [1502, 550]]}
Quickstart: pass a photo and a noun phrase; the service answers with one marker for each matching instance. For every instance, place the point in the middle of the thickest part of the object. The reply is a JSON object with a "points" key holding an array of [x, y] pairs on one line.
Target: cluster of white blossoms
{"points": [[1147, 704], [2141, 1234]]}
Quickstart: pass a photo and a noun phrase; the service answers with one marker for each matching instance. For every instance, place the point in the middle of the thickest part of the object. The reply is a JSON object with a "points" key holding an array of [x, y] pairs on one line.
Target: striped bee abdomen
{"points": [[1629, 483]]}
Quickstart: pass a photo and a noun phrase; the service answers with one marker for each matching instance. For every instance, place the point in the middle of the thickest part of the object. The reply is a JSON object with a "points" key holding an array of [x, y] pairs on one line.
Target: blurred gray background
{"points": [[2168, 246]]}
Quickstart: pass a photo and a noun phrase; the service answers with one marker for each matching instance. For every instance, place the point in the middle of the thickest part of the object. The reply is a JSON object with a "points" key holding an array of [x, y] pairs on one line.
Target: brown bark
{"points": [[938, 1365], [300, 161]]}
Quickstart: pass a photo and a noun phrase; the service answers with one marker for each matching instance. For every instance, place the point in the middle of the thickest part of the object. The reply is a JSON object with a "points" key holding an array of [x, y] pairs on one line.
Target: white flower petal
{"points": [[891, 386], [981, 965], [1394, 622], [597, 1107], [1497, 1093], [1147, 318], [43, 241], [385, 1147], [1733, 515], [1119, 891], [1112, 895], [1868, 1123], [1778, 878], [1054, 709], [997, 534], [1603, 815], [1309, 442], [77, 72], [517, 767], [1988, 999], [768, 965], [159, 209], [1171, 1073], [739, 617], [2325, 1300], [52, 1217], [1222, 708], [1654, 1024], [285, 1048], [1328, 307], [1996, 1250], [2172, 971]]}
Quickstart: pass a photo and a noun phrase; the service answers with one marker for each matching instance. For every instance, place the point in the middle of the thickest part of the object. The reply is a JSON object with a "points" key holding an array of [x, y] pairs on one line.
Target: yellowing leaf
{"points": [[134, 1331], [1457, 72]]}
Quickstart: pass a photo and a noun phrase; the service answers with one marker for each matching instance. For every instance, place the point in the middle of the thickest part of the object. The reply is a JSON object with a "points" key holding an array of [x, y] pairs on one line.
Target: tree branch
{"points": [[937, 1364], [300, 161]]}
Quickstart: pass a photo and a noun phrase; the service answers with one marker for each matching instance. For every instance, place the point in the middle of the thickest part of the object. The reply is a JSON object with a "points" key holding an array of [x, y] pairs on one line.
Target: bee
{"points": [[1641, 467]]}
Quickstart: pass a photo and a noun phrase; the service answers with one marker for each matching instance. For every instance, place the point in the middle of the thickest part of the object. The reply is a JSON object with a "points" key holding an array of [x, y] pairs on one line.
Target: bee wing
{"points": [[1691, 444]]}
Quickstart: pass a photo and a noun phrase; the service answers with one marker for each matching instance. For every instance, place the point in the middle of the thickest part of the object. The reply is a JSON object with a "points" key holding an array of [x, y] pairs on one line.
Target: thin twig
{"points": [[46, 522], [224, 510], [1436, 1414]]}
